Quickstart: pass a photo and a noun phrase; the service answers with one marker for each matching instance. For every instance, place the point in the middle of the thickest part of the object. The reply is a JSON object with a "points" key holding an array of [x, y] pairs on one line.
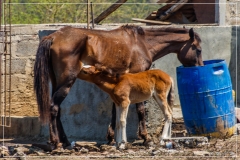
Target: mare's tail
{"points": [[41, 79], [171, 95]]}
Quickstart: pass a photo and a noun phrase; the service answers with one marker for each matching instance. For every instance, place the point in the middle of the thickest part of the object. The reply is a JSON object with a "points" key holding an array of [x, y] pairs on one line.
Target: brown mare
{"points": [[61, 55], [134, 88]]}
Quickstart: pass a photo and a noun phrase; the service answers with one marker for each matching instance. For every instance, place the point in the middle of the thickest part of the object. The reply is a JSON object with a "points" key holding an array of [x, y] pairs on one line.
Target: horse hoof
{"points": [[148, 143], [111, 143], [162, 143], [51, 145], [49, 142], [65, 145], [59, 145], [122, 146]]}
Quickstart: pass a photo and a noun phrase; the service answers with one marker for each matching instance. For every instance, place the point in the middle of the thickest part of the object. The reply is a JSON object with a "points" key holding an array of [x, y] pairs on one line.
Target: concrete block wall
{"points": [[23, 102], [25, 41], [86, 111], [232, 12]]}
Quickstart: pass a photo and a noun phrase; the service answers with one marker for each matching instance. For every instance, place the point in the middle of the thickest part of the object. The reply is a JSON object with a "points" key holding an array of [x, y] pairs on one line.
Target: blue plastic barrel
{"points": [[205, 94]]}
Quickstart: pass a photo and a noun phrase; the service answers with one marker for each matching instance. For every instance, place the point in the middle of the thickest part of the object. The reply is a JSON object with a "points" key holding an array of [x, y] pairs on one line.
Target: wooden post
{"points": [[151, 21], [92, 16], [173, 9], [108, 11]]}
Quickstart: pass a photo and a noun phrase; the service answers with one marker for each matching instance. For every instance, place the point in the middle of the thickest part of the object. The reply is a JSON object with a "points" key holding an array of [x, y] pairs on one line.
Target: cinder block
{"points": [[17, 66], [22, 127], [26, 48]]}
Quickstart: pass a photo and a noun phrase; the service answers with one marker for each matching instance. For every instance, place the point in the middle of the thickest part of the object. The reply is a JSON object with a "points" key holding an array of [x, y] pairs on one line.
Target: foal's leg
{"points": [[57, 134], [161, 99], [142, 130], [121, 124]]}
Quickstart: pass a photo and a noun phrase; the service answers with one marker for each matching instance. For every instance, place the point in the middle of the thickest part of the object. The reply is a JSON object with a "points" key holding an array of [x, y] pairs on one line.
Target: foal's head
{"points": [[191, 52], [88, 70], [98, 74]]}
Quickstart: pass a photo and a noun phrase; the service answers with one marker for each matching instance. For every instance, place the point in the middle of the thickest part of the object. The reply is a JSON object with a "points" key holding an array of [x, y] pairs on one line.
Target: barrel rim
{"points": [[206, 62]]}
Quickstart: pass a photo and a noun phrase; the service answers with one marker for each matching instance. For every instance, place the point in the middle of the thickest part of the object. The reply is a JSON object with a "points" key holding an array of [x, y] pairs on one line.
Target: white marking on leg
{"points": [[123, 125], [86, 66], [167, 129]]}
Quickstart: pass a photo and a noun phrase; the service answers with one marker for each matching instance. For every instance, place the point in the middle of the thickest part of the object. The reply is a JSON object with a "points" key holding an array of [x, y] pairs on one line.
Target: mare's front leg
{"points": [[57, 134], [142, 130], [111, 127]]}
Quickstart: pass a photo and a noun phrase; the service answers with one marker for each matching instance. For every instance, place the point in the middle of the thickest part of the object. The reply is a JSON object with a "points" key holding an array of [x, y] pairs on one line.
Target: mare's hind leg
{"points": [[111, 127], [57, 134], [142, 130]]}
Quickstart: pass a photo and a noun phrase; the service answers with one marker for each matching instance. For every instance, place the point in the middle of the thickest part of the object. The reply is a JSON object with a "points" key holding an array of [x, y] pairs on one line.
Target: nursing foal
{"points": [[129, 89]]}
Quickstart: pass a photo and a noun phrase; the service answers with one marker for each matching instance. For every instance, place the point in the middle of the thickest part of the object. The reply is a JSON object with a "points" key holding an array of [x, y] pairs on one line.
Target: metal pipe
{"points": [[1, 58], [10, 63], [87, 14], [5, 56], [5, 62], [0, 15], [92, 15]]}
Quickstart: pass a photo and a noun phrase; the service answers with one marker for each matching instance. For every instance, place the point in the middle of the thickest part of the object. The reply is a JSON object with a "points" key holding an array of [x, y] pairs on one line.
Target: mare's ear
{"points": [[191, 34]]}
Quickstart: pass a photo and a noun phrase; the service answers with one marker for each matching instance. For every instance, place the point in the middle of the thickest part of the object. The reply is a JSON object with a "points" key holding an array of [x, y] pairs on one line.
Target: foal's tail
{"points": [[171, 95], [41, 79]]}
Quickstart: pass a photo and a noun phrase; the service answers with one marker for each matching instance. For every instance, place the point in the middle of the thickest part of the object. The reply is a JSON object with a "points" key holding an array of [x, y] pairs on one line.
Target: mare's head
{"points": [[191, 52]]}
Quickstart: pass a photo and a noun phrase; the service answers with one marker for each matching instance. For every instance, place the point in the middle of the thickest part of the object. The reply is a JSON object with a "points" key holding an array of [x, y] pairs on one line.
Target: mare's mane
{"points": [[143, 31], [133, 28]]}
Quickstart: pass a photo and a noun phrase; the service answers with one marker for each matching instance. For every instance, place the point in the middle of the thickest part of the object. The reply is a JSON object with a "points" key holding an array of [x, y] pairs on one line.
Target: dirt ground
{"points": [[35, 148], [215, 149]]}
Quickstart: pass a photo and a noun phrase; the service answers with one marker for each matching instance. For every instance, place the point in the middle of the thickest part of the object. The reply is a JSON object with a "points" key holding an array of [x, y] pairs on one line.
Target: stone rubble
{"points": [[176, 146], [4, 151], [201, 153], [180, 142], [238, 128]]}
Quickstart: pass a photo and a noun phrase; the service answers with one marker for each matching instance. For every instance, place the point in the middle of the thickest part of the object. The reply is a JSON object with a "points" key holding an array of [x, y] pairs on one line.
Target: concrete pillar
{"points": [[220, 12]]}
